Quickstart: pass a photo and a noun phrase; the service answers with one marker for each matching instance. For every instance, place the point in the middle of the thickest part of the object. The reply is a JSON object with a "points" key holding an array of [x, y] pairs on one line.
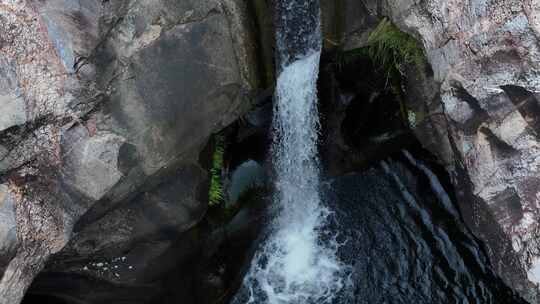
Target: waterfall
{"points": [[297, 263]]}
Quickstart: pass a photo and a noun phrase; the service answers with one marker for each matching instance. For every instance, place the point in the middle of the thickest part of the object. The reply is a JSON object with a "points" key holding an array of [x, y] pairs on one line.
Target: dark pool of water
{"points": [[406, 243]]}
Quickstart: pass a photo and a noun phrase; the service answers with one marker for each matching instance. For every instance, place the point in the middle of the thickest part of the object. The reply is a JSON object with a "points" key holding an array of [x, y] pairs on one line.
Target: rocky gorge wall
{"points": [[477, 111], [108, 107]]}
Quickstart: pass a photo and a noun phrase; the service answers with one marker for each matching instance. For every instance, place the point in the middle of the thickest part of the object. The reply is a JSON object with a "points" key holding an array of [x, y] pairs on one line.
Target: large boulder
{"points": [[477, 110], [108, 107]]}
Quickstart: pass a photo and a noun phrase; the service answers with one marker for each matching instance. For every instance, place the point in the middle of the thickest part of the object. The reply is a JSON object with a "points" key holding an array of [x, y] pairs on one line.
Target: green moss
{"points": [[216, 194]]}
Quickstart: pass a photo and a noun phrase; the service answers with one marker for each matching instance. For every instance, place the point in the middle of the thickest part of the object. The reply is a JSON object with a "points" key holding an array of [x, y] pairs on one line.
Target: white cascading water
{"points": [[298, 262]]}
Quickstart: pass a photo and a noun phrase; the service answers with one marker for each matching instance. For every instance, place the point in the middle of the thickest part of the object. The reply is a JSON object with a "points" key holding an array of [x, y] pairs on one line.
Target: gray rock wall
{"points": [[107, 107]]}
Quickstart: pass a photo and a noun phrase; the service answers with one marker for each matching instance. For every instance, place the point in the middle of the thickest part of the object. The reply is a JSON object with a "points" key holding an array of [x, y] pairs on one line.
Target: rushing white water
{"points": [[298, 262]]}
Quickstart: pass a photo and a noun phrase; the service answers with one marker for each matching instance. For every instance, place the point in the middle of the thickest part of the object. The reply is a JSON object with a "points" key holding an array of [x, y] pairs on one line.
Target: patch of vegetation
{"points": [[391, 48], [216, 193], [388, 48]]}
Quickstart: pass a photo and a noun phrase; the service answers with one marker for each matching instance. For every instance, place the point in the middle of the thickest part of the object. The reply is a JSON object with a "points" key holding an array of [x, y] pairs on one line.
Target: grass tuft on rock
{"points": [[391, 48], [217, 193]]}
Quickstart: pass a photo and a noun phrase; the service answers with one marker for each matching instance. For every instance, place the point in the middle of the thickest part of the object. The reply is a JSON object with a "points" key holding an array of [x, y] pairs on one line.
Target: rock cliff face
{"points": [[478, 112], [107, 107]]}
